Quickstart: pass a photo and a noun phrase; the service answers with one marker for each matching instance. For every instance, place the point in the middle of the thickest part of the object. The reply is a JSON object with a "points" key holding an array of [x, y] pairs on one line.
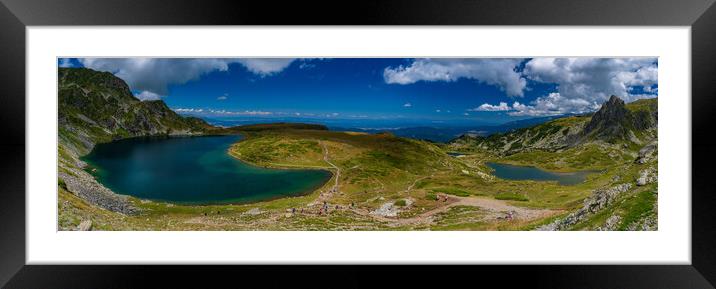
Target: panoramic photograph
{"points": [[357, 144]]}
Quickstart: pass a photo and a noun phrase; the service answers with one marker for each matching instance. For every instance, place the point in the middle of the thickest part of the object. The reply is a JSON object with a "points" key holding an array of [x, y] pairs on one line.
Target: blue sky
{"points": [[476, 90]]}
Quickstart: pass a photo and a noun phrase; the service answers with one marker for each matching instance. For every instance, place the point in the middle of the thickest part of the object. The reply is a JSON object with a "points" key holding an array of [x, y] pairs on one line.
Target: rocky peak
{"points": [[610, 121]]}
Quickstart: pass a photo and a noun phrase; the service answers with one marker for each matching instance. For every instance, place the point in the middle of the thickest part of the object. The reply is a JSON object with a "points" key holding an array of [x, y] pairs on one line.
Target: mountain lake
{"points": [[193, 170], [521, 173]]}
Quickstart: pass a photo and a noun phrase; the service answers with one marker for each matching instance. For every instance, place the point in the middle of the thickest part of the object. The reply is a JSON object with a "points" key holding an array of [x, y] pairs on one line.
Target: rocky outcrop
{"points": [[647, 153], [610, 120], [647, 176], [85, 225], [615, 121], [650, 223], [253, 212], [599, 200], [611, 224], [86, 187], [386, 210]]}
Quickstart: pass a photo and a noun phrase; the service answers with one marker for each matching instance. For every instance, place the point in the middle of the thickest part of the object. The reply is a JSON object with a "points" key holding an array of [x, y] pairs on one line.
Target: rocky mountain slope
{"points": [[97, 107], [614, 123]]}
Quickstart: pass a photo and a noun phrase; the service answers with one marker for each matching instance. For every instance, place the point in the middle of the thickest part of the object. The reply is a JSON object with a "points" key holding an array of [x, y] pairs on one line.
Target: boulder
{"points": [[85, 225], [386, 210]]}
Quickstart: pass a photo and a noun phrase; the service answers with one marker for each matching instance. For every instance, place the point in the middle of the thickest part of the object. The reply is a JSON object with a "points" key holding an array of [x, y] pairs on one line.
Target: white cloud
{"points": [[220, 111], [488, 107], [65, 62], [553, 104], [582, 82], [306, 65], [254, 112], [245, 112], [265, 66], [224, 96], [437, 110], [496, 71], [147, 95], [407, 105], [188, 110], [156, 74]]}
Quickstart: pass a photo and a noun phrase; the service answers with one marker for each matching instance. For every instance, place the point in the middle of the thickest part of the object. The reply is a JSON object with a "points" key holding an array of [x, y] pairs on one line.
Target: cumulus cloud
{"points": [[265, 66], [500, 72], [64, 62], [407, 105], [584, 83], [156, 74], [147, 95], [553, 104], [224, 96], [488, 107]]}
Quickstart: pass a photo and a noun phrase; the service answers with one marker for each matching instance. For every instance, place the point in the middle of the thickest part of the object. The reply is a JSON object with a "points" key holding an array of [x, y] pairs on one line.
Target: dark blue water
{"points": [[193, 170], [521, 173]]}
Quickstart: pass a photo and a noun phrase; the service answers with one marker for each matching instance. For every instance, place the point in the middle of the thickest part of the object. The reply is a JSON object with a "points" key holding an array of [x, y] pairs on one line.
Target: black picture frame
{"points": [[15, 15]]}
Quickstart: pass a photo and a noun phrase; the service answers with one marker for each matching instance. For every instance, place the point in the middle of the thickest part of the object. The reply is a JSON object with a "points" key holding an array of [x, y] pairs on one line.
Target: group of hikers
{"points": [[443, 198], [508, 216]]}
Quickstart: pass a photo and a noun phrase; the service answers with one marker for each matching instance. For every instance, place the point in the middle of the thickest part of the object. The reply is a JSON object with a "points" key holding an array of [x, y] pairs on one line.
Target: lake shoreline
{"points": [[93, 170], [508, 171]]}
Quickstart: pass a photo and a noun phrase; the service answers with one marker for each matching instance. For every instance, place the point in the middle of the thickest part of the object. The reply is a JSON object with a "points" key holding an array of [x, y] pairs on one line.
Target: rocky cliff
{"points": [[97, 107], [614, 121]]}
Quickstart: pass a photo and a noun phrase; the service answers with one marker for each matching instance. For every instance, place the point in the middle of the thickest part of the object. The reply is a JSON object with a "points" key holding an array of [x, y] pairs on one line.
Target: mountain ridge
{"points": [[97, 107], [614, 123]]}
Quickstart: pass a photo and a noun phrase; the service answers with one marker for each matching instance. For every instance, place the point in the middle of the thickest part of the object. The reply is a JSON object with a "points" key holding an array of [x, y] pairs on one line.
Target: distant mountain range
{"points": [[435, 133], [447, 133]]}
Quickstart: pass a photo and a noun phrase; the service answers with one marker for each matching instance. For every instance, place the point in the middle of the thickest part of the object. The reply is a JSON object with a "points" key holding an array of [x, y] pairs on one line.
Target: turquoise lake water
{"points": [[521, 173], [193, 170]]}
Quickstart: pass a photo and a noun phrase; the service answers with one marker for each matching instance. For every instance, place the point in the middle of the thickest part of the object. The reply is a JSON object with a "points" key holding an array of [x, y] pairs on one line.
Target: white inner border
{"points": [[670, 244]]}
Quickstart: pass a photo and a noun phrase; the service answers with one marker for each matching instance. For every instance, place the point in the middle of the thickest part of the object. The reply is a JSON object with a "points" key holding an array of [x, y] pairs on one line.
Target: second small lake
{"points": [[193, 170], [522, 173]]}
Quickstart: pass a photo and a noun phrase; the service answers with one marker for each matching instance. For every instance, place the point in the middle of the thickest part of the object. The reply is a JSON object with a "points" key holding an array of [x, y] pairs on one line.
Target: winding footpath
{"points": [[338, 170], [496, 208]]}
